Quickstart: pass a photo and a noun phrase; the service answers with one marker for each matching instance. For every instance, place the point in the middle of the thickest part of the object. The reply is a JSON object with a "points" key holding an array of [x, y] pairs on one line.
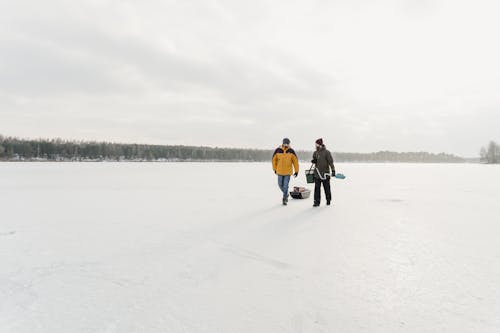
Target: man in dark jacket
{"points": [[324, 162]]}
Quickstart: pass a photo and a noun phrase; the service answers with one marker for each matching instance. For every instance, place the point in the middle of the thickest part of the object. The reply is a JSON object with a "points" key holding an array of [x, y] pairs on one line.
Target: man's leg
{"points": [[328, 191], [286, 181], [280, 182], [317, 191]]}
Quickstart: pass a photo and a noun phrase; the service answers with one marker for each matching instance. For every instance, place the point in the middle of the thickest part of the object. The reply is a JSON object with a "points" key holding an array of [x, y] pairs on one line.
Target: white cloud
{"points": [[365, 75]]}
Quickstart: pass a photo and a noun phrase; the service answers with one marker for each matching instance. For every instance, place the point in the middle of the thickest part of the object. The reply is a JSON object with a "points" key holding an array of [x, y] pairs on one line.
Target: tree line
{"points": [[491, 153], [16, 149]]}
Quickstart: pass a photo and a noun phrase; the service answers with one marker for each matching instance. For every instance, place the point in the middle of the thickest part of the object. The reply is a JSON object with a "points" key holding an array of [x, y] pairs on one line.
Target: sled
{"points": [[300, 193]]}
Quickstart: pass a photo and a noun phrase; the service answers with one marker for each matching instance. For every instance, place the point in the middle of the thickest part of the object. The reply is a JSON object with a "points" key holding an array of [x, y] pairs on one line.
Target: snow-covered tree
{"points": [[493, 152]]}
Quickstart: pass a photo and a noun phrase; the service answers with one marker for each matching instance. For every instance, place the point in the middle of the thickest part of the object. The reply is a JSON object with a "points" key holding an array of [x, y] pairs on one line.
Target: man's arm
{"points": [[314, 159], [329, 158], [275, 160], [295, 161]]}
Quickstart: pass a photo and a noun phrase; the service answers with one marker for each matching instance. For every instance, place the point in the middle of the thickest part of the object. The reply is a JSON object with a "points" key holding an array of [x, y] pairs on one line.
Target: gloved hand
{"points": [[296, 174], [275, 172], [314, 161]]}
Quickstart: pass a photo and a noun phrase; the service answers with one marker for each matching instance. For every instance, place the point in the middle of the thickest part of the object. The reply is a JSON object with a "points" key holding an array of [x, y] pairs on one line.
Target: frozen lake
{"points": [[207, 247]]}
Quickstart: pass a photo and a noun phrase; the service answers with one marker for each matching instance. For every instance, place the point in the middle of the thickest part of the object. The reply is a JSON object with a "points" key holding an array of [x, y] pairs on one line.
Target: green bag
{"points": [[310, 174]]}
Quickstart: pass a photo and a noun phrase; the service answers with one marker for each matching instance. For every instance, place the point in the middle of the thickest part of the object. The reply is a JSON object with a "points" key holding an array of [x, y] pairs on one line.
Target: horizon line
{"points": [[215, 147]]}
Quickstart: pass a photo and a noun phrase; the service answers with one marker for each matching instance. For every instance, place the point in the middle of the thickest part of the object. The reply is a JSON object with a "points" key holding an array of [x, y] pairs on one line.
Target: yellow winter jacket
{"points": [[285, 161]]}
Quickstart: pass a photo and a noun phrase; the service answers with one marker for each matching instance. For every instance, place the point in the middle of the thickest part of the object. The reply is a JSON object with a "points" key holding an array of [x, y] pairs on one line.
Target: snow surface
{"points": [[207, 247]]}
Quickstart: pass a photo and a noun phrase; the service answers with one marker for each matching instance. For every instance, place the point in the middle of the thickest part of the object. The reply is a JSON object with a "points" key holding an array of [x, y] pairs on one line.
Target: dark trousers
{"points": [[317, 189]]}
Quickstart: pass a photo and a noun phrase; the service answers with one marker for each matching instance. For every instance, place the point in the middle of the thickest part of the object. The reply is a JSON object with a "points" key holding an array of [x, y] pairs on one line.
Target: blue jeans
{"points": [[283, 184]]}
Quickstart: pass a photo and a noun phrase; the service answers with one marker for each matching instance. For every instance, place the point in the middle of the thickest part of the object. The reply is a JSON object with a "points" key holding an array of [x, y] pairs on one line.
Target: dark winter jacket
{"points": [[324, 162]]}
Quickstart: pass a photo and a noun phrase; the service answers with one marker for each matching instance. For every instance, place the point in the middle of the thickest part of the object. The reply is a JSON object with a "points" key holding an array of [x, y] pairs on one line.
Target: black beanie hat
{"points": [[286, 141]]}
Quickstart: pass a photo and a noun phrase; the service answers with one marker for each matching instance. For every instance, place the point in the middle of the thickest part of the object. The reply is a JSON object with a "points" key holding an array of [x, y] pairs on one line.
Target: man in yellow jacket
{"points": [[285, 162]]}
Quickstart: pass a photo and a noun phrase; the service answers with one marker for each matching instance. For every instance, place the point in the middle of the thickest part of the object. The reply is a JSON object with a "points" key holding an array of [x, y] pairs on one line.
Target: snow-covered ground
{"points": [[207, 247]]}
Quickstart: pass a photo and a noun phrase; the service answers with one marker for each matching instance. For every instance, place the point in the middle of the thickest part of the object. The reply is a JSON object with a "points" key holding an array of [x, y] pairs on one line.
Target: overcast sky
{"points": [[364, 75]]}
